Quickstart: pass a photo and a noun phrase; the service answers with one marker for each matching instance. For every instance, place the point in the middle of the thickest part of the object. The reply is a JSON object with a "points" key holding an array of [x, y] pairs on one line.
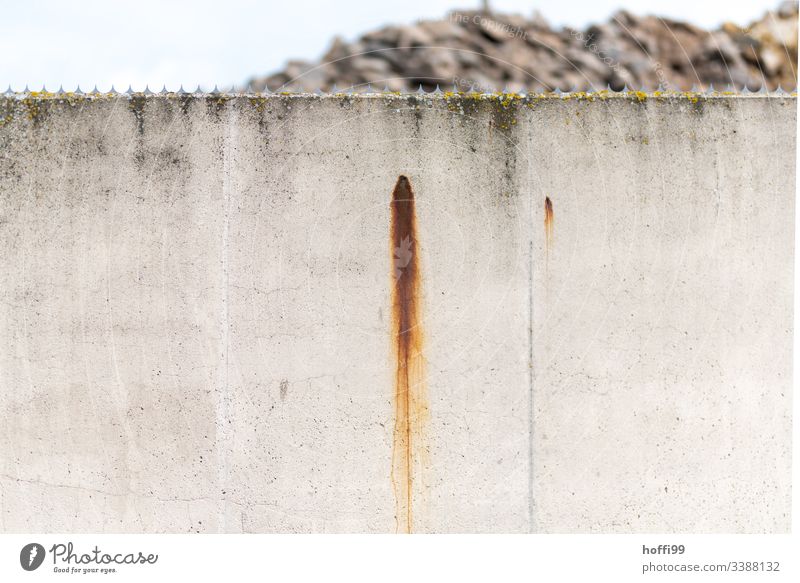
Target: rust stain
{"points": [[548, 221], [411, 408]]}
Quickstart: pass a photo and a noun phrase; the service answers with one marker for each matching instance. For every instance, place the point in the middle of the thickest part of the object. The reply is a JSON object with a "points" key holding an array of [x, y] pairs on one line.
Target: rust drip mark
{"points": [[411, 408], [548, 221]]}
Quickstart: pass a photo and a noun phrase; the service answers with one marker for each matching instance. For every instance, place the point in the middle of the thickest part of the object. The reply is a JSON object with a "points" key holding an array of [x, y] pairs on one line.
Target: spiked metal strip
{"points": [[369, 91]]}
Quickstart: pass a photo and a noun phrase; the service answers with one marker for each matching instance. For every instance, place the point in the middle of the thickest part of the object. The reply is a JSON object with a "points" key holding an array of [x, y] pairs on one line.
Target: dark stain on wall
{"points": [[411, 408]]}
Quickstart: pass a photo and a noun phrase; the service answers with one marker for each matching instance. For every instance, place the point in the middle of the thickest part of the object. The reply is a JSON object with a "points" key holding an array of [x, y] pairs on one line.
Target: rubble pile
{"points": [[486, 51]]}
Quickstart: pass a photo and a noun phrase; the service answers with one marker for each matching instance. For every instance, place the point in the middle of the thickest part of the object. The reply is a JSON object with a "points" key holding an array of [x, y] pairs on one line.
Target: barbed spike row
{"points": [[368, 89]]}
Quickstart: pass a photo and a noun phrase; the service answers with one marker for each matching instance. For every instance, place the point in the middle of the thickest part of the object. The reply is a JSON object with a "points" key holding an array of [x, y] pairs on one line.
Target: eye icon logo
{"points": [[31, 556]]}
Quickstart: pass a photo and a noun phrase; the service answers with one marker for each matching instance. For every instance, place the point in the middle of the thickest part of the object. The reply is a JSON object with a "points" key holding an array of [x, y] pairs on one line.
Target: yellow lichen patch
{"points": [[258, 102], [692, 97]]}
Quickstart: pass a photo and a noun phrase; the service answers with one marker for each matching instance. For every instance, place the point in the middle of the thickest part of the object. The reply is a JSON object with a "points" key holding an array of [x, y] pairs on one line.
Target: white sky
{"points": [[138, 42]]}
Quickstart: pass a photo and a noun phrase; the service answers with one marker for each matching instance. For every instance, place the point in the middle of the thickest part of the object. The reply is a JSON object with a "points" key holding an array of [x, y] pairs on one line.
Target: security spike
{"points": [[249, 90], [729, 88], [181, 91], [780, 91], [60, 90], [147, 90], [746, 90], [26, 90], [129, 91], [763, 89], [163, 90], [198, 91], [215, 90], [9, 91], [558, 91], [112, 91], [711, 89], [420, 91], [77, 91], [438, 90], [335, 89], [386, 89], [318, 91], [695, 88]]}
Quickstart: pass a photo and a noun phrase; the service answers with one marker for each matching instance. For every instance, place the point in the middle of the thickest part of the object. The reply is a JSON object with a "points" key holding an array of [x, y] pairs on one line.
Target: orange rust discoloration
{"points": [[411, 408], [548, 221]]}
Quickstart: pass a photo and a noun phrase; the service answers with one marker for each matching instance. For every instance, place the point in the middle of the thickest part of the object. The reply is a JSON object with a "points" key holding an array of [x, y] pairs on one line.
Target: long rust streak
{"points": [[411, 407], [548, 221]]}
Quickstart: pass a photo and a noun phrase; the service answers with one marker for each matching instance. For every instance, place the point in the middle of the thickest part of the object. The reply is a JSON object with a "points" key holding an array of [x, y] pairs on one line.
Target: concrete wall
{"points": [[196, 316]]}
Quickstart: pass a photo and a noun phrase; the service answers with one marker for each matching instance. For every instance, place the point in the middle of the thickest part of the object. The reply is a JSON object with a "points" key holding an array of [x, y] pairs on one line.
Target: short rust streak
{"points": [[410, 399], [548, 220]]}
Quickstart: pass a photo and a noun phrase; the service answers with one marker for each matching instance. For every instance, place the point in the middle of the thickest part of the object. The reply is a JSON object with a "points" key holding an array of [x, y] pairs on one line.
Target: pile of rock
{"points": [[490, 51]]}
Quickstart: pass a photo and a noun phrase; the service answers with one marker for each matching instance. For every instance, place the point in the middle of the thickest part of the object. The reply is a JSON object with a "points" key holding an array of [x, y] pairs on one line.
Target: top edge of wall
{"points": [[505, 98]]}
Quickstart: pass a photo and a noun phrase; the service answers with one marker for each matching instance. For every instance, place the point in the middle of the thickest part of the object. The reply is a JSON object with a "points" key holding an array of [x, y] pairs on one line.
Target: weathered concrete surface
{"points": [[196, 313]]}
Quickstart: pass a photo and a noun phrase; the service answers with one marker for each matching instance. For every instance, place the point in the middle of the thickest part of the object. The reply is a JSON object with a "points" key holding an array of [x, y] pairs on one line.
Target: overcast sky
{"points": [[224, 42]]}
